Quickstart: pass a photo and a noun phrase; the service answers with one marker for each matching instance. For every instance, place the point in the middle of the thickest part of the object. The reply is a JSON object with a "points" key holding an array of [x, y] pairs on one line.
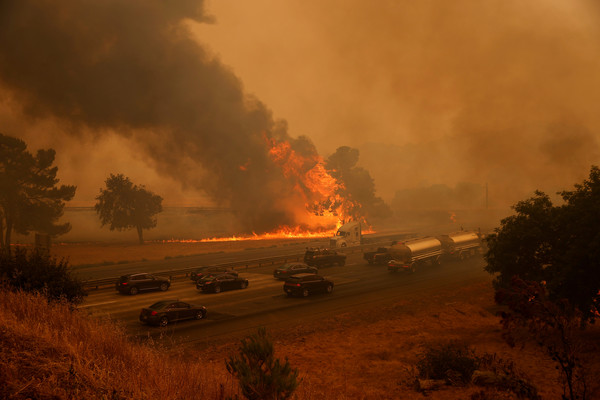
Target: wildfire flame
{"points": [[452, 217], [315, 201]]}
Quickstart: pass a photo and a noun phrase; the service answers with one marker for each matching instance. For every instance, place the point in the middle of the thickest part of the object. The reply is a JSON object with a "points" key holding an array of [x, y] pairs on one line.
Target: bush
{"points": [[36, 271], [453, 362], [260, 375]]}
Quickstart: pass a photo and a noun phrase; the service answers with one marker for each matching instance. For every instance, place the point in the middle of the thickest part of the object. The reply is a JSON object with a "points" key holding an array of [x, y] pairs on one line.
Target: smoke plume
{"points": [[132, 67]]}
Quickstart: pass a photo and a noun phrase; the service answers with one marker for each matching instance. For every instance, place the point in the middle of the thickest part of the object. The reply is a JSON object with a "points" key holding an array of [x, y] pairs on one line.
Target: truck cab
{"points": [[349, 234]]}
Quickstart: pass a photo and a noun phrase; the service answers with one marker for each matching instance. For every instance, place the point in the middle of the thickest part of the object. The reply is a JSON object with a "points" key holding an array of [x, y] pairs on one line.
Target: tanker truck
{"points": [[411, 254], [461, 244]]}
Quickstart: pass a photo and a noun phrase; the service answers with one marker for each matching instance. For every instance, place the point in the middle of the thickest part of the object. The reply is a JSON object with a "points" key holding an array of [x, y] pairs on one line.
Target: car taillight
{"points": [[153, 313], [123, 283]]}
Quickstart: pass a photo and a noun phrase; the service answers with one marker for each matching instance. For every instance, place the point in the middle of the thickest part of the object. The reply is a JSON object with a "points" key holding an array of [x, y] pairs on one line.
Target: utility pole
{"points": [[486, 196]]}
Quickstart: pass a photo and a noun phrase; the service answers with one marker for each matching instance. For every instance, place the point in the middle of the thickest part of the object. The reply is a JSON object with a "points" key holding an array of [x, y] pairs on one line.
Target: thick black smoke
{"points": [[131, 67]]}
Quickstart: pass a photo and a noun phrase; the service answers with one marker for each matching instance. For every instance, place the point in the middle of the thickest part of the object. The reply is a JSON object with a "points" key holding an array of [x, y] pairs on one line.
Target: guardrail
{"points": [[94, 284]]}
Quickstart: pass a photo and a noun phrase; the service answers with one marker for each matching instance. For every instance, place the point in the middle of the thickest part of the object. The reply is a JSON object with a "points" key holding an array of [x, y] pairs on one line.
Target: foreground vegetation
{"points": [[53, 352]]}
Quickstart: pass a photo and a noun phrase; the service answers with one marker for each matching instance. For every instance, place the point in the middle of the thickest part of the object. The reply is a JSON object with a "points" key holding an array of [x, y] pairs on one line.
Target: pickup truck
{"points": [[380, 256], [324, 257]]}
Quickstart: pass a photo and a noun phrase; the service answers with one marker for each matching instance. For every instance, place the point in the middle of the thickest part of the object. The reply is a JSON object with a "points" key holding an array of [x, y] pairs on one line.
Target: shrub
{"points": [[453, 362], [37, 271], [260, 374]]}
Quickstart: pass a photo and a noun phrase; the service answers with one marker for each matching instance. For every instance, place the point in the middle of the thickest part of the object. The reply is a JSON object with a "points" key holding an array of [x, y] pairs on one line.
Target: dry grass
{"points": [[372, 354], [50, 352]]}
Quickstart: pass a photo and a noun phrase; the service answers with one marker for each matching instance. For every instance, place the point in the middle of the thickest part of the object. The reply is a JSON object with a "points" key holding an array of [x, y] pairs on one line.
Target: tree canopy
{"points": [[357, 184], [30, 199], [123, 205], [557, 246]]}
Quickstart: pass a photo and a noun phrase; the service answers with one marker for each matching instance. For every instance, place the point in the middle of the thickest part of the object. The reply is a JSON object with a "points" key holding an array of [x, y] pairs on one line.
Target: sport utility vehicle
{"points": [[305, 284], [324, 257], [135, 283], [203, 271]]}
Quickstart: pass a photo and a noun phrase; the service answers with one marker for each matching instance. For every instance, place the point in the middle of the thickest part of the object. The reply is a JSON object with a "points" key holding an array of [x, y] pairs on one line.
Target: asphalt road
{"points": [[234, 314]]}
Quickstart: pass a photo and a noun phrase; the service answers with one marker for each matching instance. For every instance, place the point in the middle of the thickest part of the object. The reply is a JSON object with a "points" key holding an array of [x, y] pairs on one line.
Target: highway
{"points": [[234, 314]]}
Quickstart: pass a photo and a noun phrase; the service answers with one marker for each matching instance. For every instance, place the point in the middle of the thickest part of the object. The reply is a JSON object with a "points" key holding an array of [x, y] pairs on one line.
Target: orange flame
{"points": [[317, 200]]}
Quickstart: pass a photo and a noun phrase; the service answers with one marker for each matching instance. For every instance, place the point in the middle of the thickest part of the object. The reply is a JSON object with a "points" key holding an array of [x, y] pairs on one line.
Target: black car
{"points": [[324, 257], [289, 269], [202, 271], [305, 284], [218, 283], [135, 283], [164, 312]]}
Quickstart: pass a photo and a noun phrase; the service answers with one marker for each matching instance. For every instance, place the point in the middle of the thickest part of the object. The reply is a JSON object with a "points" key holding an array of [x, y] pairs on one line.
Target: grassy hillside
{"points": [[51, 352]]}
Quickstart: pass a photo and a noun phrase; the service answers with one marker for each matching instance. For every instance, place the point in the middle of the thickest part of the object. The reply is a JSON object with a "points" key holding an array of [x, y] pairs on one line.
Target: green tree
{"points": [[260, 374], [30, 199], [123, 205], [558, 246]]}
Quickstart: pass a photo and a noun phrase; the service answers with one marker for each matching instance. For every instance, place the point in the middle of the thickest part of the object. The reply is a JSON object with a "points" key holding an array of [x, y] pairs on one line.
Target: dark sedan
{"points": [[289, 269], [305, 284], [164, 312], [203, 271], [135, 283], [219, 283]]}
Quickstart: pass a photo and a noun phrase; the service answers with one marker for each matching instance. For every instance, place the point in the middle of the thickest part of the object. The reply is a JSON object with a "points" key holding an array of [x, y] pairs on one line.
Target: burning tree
{"points": [[29, 196], [355, 183], [123, 205]]}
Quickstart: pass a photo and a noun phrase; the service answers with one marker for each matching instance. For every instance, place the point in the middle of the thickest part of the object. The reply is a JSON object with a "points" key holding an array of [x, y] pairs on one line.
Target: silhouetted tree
{"points": [[357, 184], [123, 205], [555, 245], [37, 271], [260, 374], [29, 197]]}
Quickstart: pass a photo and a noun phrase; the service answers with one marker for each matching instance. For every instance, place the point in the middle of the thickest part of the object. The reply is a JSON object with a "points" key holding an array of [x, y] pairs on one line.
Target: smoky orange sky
{"points": [[502, 92]]}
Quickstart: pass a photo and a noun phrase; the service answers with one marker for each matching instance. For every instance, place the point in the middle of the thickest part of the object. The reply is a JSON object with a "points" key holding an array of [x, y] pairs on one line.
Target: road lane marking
{"points": [[97, 304]]}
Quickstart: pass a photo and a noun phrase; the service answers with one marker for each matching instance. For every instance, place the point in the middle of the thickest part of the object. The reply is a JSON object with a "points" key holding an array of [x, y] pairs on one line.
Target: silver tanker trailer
{"points": [[409, 255], [461, 244]]}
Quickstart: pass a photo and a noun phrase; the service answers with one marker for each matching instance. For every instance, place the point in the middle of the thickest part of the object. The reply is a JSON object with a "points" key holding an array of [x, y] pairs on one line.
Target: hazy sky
{"points": [[503, 92]]}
